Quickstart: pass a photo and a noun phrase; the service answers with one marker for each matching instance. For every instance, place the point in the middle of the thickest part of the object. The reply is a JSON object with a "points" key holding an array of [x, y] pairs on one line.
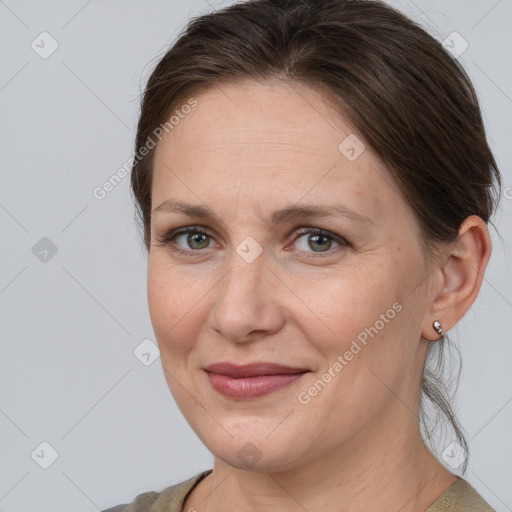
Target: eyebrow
{"points": [[287, 214]]}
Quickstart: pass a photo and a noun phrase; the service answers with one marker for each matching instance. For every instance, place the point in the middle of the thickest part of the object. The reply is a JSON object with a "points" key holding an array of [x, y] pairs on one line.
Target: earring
{"points": [[437, 327]]}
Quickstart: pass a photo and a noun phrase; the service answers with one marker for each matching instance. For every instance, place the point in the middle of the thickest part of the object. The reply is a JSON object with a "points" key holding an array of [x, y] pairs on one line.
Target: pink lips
{"points": [[251, 380]]}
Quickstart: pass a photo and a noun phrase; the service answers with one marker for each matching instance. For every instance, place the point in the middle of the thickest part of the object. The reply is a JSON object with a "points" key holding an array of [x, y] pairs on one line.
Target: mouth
{"points": [[251, 381]]}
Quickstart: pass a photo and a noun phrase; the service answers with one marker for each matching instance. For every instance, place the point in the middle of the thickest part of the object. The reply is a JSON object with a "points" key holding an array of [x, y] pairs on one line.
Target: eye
{"points": [[317, 240], [193, 240], [187, 241]]}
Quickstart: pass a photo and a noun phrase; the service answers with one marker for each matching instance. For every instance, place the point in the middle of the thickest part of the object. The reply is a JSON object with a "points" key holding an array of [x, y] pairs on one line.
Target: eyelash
{"points": [[167, 240]]}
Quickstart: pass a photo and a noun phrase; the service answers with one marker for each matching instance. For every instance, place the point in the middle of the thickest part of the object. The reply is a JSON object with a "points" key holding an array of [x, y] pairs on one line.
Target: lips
{"points": [[252, 370], [251, 380]]}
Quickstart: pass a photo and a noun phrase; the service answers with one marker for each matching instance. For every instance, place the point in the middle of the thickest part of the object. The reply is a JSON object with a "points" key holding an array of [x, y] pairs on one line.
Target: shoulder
{"points": [[460, 497], [169, 500]]}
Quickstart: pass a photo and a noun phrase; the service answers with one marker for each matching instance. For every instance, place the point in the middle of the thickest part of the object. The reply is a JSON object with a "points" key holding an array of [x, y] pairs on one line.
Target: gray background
{"points": [[69, 324]]}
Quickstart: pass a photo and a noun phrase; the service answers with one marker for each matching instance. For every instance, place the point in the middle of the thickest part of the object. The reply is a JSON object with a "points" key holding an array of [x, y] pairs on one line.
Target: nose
{"points": [[246, 306]]}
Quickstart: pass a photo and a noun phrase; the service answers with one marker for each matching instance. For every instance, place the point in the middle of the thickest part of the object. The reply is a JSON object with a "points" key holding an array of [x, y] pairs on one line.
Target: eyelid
{"points": [[313, 230]]}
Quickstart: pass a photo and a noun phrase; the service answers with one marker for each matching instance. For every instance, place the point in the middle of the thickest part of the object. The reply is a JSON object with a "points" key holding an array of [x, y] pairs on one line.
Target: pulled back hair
{"points": [[409, 99]]}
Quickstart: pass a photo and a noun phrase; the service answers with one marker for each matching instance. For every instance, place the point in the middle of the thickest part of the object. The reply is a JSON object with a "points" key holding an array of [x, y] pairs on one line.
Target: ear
{"points": [[459, 276]]}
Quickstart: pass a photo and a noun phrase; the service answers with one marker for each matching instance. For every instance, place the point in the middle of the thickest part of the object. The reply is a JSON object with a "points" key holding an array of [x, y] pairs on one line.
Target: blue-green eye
{"points": [[313, 242], [317, 243], [194, 240], [187, 240]]}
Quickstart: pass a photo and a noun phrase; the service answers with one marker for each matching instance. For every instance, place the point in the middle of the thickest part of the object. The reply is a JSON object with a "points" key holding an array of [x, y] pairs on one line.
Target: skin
{"points": [[245, 151]]}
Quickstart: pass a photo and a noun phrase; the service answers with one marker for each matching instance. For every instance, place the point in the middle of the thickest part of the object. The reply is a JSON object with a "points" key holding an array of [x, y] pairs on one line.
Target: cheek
{"points": [[173, 307], [375, 319], [365, 318], [344, 306]]}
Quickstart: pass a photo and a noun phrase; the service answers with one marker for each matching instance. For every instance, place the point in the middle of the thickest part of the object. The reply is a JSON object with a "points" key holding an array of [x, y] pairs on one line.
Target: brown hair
{"points": [[411, 101]]}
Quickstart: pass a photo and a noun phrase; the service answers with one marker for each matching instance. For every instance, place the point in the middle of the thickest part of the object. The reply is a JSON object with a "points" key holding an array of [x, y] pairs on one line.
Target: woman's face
{"points": [[259, 283]]}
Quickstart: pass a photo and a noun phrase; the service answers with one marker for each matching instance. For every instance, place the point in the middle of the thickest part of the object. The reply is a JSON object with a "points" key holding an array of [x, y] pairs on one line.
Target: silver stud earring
{"points": [[437, 327]]}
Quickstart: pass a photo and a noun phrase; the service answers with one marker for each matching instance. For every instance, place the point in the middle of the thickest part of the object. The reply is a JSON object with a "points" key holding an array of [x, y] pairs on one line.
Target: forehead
{"points": [[268, 135], [265, 113]]}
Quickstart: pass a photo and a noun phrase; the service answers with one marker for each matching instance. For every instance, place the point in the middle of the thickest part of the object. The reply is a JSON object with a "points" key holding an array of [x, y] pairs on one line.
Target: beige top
{"points": [[460, 497]]}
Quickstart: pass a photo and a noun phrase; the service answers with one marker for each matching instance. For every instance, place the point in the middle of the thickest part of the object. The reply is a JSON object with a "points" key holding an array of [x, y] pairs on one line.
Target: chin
{"points": [[252, 457], [255, 444]]}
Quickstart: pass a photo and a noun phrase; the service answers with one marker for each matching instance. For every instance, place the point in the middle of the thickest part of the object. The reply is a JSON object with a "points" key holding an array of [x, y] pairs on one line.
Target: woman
{"points": [[314, 185]]}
